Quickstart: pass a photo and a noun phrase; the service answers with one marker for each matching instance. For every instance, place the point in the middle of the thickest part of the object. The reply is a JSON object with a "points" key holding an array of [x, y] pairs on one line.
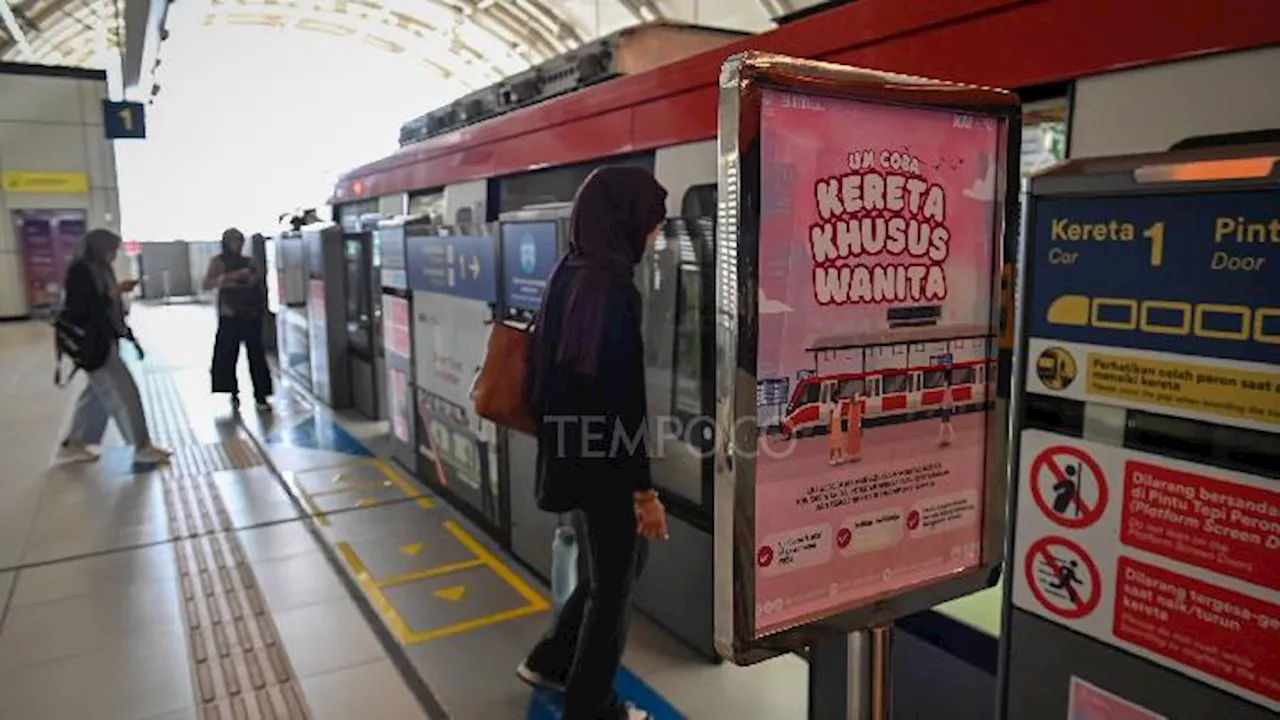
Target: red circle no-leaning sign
{"points": [[1074, 482], [1063, 578]]}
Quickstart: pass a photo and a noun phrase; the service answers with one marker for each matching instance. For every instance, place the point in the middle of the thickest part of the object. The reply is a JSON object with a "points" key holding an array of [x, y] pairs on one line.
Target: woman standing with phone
{"points": [[95, 304], [242, 305]]}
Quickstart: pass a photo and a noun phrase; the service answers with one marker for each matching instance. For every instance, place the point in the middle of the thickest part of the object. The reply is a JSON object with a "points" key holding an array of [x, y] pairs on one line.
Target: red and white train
{"points": [[895, 382]]}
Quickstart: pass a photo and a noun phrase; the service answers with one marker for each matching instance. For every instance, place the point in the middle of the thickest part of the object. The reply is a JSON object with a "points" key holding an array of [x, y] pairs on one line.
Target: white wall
{"points": [[52, 124], [1149, 109]]}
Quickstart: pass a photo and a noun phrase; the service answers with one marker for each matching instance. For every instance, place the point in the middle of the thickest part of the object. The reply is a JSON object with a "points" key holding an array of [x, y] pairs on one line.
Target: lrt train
{"points": [[1116, 75]]}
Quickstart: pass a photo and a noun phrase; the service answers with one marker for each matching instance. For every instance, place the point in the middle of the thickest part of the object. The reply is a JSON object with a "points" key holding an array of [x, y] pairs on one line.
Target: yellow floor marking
{"points": [[405, 486], [384, 607], [412, 549], [535, 600], [364, 502], [373, 589], [417, 575], [454, 593], [351, 488]]}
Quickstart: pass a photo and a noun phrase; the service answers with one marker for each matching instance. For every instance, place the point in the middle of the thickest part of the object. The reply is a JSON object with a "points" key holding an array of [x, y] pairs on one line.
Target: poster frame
{"points": [[1211, 170], [743, 79]]}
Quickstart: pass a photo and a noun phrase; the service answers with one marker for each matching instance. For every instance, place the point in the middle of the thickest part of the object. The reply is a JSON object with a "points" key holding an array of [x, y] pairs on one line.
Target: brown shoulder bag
{"points": [[498, 389]]}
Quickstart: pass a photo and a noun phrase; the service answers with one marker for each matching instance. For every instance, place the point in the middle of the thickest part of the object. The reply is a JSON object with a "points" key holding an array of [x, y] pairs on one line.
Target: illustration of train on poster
{"points": [[876, 352]]}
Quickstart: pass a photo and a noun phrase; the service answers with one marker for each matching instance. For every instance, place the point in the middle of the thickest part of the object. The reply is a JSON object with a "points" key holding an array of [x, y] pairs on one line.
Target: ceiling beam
{"points": [[15, 30], [144, 26]]}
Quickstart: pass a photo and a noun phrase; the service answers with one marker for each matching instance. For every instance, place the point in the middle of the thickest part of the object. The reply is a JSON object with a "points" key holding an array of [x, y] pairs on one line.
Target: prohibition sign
{"points": [[1053, 570], [1076, 482]]}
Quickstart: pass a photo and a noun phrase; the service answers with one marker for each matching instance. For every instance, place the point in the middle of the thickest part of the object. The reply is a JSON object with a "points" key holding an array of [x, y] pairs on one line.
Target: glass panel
{"points": [[896, 383]]}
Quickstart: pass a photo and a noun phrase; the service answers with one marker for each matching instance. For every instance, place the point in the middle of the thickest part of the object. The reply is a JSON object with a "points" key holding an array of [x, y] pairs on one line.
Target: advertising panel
{"points": [[319, 344], [1090, 702], [455, 289], [396, 330], [877, 231], [47, 241], [390, 245], [1164, 303], [1170, 560], [529, 253]]}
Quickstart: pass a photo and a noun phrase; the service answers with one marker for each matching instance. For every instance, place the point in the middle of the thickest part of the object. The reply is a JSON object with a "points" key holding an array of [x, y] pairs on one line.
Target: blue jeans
{"points": [[110, 393]]}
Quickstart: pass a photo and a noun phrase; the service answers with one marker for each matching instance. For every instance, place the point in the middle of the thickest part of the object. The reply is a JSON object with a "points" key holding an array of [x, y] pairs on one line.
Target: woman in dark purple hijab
{"points": [[586, 389]]}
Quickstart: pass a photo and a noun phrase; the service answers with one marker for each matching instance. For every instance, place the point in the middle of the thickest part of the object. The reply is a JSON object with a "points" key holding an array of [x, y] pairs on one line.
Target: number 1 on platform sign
{"points": [[1155, 234]]}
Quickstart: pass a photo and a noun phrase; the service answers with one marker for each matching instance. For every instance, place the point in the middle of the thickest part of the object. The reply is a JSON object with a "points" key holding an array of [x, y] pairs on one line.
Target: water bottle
{"points": [[564, 565]]}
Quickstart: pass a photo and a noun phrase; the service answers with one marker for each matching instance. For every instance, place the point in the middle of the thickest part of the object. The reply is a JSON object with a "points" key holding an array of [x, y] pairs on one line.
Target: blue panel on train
{"points": [[318, 433], [549, 706], [529, 253], [460, 266]]}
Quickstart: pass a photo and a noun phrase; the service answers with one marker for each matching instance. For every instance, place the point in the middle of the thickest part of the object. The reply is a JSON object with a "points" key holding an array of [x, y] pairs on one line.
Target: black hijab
{"points": [[615, 210]]}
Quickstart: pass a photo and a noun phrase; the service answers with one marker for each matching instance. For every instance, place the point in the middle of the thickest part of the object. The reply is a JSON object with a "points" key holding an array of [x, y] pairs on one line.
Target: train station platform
{"points": [[279, 567]]}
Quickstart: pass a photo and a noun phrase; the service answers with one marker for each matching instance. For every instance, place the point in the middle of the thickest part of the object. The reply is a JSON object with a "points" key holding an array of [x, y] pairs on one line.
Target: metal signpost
{"points": [[1145, 547], [860, 225]]}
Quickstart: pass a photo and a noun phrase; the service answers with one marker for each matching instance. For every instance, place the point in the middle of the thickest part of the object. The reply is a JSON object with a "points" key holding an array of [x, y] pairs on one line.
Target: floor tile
{"points": [[298, 580], [6, 590], [141, 615], [323, 637], [104, 685], [277, 542], [373, 690], [113, 572]]}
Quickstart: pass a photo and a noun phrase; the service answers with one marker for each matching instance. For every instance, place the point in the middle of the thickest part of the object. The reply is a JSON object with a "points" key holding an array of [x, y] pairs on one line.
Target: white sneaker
{"points": [[535, 679], [635, 713], [153, 455], [76, 453]]}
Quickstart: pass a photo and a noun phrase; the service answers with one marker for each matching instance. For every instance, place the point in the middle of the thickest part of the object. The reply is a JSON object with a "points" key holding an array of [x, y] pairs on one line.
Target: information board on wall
{"points": [[1146, 303], [47, 241], [1165, 303], [872, 344], [529, 253], [455, 291]]}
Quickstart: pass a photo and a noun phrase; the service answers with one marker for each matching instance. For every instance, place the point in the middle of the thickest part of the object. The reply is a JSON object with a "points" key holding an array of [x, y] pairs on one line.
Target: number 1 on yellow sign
{"points": [[126, 117], [1155, 234]]}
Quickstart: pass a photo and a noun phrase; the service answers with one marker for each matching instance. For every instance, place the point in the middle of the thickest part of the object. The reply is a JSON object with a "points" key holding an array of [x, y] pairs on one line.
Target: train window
{"points": [[809, 393], [896, 383], [964, 375], [557, 184], [934, 378], [849, 388], [689, 330], [699, 201]]}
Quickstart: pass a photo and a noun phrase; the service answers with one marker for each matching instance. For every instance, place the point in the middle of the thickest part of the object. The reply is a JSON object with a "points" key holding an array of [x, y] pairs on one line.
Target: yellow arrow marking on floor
{"points": [[363, 502], [454, 593], [412, 549]]}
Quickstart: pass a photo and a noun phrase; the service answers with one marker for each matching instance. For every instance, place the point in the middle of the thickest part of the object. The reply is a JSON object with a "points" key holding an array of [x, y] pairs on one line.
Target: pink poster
{"points": [[1089, 702], [47, 241], [876, 351]]}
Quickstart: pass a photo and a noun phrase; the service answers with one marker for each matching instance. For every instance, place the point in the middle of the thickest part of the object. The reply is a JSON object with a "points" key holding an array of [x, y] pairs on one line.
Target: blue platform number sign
{"points": [[529, 253], [124, 120]]}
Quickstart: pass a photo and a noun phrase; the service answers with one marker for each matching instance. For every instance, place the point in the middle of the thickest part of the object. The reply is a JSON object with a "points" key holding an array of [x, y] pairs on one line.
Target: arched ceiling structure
{"points": [[469, 43]]}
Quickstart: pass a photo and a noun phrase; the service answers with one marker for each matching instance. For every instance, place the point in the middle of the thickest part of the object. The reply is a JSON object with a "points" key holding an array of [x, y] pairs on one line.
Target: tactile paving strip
{"points": [[240, 669], [195, 506]]}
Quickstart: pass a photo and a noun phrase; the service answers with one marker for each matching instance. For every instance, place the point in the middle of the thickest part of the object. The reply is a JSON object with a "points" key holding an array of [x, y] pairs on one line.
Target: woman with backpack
{"points": [[94, 308], [242, 305]]}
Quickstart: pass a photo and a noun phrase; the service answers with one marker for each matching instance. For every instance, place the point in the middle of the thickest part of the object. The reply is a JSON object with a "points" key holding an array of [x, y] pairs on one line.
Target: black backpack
{"points": [[81, 340]]}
